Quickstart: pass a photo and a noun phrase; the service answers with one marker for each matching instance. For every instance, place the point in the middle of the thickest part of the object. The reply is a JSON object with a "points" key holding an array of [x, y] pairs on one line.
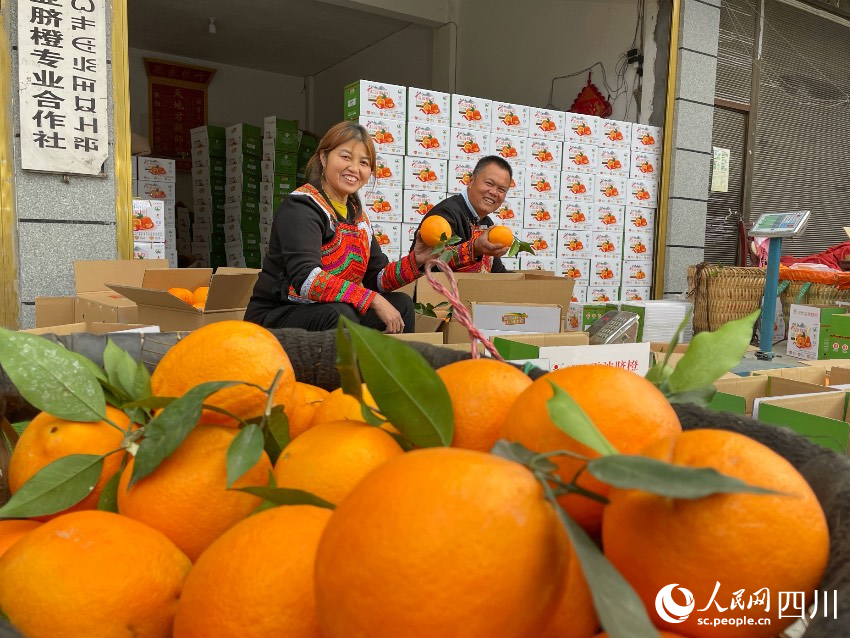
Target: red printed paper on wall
{"points": [[591, 102], [177, 95]]}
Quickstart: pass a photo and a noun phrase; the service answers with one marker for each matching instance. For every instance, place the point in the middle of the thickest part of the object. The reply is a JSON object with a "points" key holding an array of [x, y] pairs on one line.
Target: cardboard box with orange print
{"points": [[613, 162], [389, 170], [460, 174], [156, 168], [388, 235], [576, 215], [578, 187], [547, 124], [635, 293], [646, 138], [428, 140], [605, 271], [375, 99], [511, 148], [468, 144], [387, 134], [540, 213], [510, 118], [426, 173], [156, 189], [574, 244], [581, 128], [408, 235], [602, 294], [148, 220], [640, 218], [615, 134], [543, 241], [576, 269], [148, 250], [646, 165], [517, 181], [427, 106], [533, 262], [642, 192], [611, 191], [579, 158], [608, 218], [607, 244], [579, 294], [471, 112], [637, 273], [542, 153], [543, 184], [417, 203], [510, 213], [382, 204], [510, 263], [638, 245]]}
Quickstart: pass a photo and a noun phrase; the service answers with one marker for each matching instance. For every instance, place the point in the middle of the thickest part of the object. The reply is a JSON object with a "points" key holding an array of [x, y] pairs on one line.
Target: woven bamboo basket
{"points": [[725, 293]]}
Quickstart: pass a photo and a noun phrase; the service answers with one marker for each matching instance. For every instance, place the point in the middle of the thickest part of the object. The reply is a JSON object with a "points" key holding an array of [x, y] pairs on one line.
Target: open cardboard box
{"points": [[433, 338], [230, 290], [94, 301], [571, 348], [97, 328], [738, 395], [820, 417]]}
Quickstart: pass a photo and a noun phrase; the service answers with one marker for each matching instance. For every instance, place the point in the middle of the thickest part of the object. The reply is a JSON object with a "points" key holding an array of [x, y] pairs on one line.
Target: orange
{"points": [[92, 573], [199, 295], [482, 391], [186, 496], [441, 542], [661, 634], [432, 229], [199, 305], [629, 411], [48, 438], [11, 531], [183, 293], [227, 351], [257, 579], [500, 235], [307, 400], [329, 460], [742, 541], [575, 615]]}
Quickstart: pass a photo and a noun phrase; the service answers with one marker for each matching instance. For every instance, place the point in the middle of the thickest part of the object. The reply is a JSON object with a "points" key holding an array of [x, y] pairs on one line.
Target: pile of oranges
{"points": [[436, 542], [196, 297]]}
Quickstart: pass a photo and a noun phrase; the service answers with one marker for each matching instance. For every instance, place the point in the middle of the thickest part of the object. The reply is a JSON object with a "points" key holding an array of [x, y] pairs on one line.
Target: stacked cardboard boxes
{"points": [[278, 170], [154, 216], [584, 189], [208, 190], [242, 195]]}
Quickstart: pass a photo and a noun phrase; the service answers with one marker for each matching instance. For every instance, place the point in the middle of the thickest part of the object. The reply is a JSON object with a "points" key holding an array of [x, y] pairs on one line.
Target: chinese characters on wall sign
{"points": [[178, 103], [62, 77]]}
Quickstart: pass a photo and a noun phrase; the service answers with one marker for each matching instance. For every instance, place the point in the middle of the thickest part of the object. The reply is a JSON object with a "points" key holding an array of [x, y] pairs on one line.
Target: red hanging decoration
{"points": [[591, 102]]}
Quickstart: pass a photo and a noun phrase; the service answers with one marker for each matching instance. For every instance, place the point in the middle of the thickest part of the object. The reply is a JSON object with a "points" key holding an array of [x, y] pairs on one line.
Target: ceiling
{"points": [[294, 37]]}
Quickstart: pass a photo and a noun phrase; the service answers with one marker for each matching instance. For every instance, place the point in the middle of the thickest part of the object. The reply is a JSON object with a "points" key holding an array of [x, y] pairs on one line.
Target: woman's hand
{"points": [[388, 314], [421, 251]]}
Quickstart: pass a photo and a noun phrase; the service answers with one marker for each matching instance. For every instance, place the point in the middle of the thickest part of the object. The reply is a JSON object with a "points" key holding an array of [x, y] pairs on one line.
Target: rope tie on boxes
{"points": [[460, 311]]}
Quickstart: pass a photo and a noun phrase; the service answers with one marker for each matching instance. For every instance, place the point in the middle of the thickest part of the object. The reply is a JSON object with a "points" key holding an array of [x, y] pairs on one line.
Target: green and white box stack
{"points": [[278, 169], [242, 195], [208, 190]]}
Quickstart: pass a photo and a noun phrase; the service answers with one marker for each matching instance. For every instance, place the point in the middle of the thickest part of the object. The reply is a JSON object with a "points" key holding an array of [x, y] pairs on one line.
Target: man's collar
{"points": [[475, 216]]}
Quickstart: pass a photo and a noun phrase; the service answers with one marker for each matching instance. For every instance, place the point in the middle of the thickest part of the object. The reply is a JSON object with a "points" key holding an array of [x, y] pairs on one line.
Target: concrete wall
{"points": [[401, 58], [511, 51]]}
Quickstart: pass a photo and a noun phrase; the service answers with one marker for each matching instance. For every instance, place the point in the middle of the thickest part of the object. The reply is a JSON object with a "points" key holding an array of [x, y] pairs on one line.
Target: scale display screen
{"points": [[780, 224]]}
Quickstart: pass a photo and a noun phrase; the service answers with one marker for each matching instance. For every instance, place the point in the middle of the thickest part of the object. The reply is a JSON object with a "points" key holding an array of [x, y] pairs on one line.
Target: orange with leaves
{"points": [[626, 408], [482, 391], [742, 541], [501, 235], [227, 351], [186, 496], [48, 438], [453, 539], [256, 579], [92, 573], [432, 229], [329, 460]]}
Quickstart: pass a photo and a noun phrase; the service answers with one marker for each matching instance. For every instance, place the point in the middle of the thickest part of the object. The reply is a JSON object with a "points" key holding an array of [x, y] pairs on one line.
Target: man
{"points": [[467, 214]]}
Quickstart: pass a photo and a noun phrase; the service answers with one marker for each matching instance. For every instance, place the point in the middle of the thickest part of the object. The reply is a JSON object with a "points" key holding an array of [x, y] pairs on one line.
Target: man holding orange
{"points": [[468, 215]]}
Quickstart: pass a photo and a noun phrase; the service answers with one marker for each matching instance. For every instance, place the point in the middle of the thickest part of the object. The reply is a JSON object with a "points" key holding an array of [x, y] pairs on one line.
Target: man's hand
{"points": [[483, 246], [421, 251], [388, 314]]}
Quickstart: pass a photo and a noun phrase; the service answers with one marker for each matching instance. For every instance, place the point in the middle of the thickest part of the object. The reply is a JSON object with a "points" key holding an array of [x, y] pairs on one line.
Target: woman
{"points": [[323, 259]]}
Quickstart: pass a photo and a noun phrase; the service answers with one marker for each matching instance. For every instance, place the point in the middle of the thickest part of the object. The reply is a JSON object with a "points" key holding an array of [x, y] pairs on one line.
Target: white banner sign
{"points": [[62, 75]]}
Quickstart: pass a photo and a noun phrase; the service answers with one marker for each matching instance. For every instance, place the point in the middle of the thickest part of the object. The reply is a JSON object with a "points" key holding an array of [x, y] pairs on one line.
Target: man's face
{"points": [[487, 190]]}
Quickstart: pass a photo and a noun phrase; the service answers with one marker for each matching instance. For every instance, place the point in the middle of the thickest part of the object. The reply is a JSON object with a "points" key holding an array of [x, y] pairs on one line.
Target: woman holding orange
{"points": [[323, 259]]}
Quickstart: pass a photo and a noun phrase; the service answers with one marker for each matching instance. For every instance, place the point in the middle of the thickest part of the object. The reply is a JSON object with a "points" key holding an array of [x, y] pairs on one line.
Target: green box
{"points": [[640, 311], [809, 330], [839, 337], [281, 163], [250, 224], [831, 433], [284, 133], [211, 137]]}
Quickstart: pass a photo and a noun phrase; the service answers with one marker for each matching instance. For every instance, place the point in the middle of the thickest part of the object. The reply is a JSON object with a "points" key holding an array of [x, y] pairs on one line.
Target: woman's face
{"points": [[347, 168]]}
